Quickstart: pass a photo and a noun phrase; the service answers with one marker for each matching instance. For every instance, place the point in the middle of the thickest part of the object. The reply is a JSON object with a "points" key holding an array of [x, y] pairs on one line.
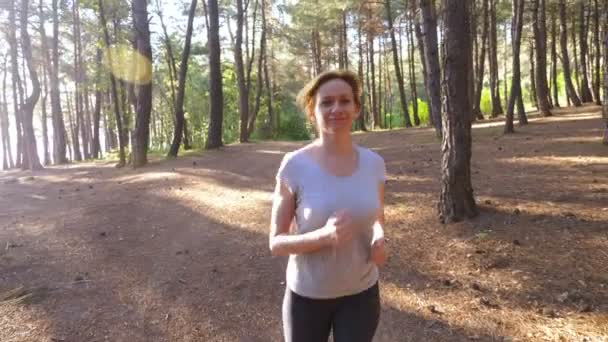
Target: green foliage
{"points": [[423, 112], [486, 101]]}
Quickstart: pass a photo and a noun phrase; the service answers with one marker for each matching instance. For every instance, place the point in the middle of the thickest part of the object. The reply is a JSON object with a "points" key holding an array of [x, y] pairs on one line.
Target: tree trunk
{"points": [[421, 52], [516, 27], [554, 58], [456, 200], [259, 78], [240, 73], [115, 99], [565, 59], [45, 72], [18, 99], [480, 64], [31, 152], [540, 44], [362, 111], [584, 85], [493, 58], [7, 162], [433, 71], [398, 74], [95, 146], [59, 133], [533, 88], [267, 79], [216, 98], [605, 71], [412, 68], [575, 71], [141, 132], [181, 87], [598, 48], [373, 93]]}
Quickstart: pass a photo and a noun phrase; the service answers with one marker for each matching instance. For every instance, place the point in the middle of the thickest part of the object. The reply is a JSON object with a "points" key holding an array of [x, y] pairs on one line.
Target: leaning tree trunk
{"points": [[33, 162], [433, 70], [456, 200], [115, 99], [59, 133], [216, 98], [584, 48], [540, 43], [493, 57], [143, 106], [516, 27], [181, 87], [563, 40], [402, 96]]}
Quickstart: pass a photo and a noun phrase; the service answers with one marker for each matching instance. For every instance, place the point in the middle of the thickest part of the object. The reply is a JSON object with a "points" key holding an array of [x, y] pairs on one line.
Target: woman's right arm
{"points": [[281, 242]]}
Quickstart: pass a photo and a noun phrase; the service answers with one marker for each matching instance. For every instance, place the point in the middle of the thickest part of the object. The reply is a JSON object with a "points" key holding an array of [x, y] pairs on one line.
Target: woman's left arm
{"points": [[378, 251]]}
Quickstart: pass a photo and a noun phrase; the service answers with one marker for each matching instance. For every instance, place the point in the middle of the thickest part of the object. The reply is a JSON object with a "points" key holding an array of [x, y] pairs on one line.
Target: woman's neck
{"points": [[336, 144]]}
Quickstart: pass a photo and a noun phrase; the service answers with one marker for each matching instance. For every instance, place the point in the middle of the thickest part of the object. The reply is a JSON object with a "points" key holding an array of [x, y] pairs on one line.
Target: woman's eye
{"points": [[345, 101], [325, 103]]}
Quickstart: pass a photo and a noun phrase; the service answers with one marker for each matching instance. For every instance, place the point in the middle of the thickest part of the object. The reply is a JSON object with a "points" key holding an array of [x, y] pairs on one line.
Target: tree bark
{"points": [[115, 99], [533, 88], [480, 63], [362, 111], [584, 85], [431, 51], [565, 61], [373, 93], [78, 104], [7, 162], [143, 106], [18, 99], [240, 73], [605, 71], [59, 133], [33, 162], [181, 87], [412, 68], [398, 74], [598, 54], [493, 58], [554, 58], [95, 145], [516, 27], [456, 200], [540, 45], [259, 78], [216, 98]]}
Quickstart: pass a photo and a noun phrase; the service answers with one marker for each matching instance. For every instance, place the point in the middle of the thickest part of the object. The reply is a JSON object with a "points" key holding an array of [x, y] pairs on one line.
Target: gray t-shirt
{"points": [[345, 270]]}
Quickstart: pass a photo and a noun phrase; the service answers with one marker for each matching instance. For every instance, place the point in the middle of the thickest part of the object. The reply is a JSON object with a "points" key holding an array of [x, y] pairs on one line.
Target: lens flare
{"points": [[128, 64]]}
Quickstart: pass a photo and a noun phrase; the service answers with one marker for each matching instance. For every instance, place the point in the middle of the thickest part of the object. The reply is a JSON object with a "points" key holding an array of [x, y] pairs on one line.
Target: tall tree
{"points": [[412, 66], [7, 162], [533, 89], [584, 82], [540, 44], [45, 72], [598, 53], [402, 96], [362, 113], [433, 70], [33, 162], [95, 144], [479, 72], [240, 72], [122, 160], [79, 128], [143, 106], [605, 71], [493, 58], [563, 40], [456, 200], [554, 86], [216, 97], [181, 87], [18, 97], [59, 133], [516, 27]]}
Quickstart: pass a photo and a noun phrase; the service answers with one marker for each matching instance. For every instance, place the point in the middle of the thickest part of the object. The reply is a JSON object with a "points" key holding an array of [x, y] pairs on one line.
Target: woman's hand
{"points": [[378, 252], [338, 229]]}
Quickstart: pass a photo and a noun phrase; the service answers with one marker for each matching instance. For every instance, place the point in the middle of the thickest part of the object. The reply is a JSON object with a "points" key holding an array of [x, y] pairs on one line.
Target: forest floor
{"points": [[178, 251]]}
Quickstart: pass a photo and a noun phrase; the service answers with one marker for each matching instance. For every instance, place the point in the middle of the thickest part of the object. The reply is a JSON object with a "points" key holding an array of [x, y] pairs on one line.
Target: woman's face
{"points": [[335, 107]]}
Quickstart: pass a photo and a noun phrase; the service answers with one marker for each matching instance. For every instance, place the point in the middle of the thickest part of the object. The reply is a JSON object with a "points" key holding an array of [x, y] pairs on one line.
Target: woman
{"points": [[334, 189]]}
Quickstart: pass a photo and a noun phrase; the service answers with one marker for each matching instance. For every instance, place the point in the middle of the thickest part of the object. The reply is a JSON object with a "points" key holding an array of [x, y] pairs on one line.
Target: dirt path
{"points": [[178, 251]]}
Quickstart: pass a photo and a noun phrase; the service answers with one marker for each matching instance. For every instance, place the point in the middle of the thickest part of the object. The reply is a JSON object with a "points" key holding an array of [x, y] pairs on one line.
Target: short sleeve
{"points": [[380, 169], [286, 173]]}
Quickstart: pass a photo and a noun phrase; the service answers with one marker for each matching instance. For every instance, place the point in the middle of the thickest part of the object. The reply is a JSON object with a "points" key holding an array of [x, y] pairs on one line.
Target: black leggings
{"points": [[352, 318]]}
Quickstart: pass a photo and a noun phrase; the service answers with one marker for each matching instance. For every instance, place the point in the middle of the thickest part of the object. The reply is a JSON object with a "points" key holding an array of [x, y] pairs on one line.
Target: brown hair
{"points": [[306, 96]]}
